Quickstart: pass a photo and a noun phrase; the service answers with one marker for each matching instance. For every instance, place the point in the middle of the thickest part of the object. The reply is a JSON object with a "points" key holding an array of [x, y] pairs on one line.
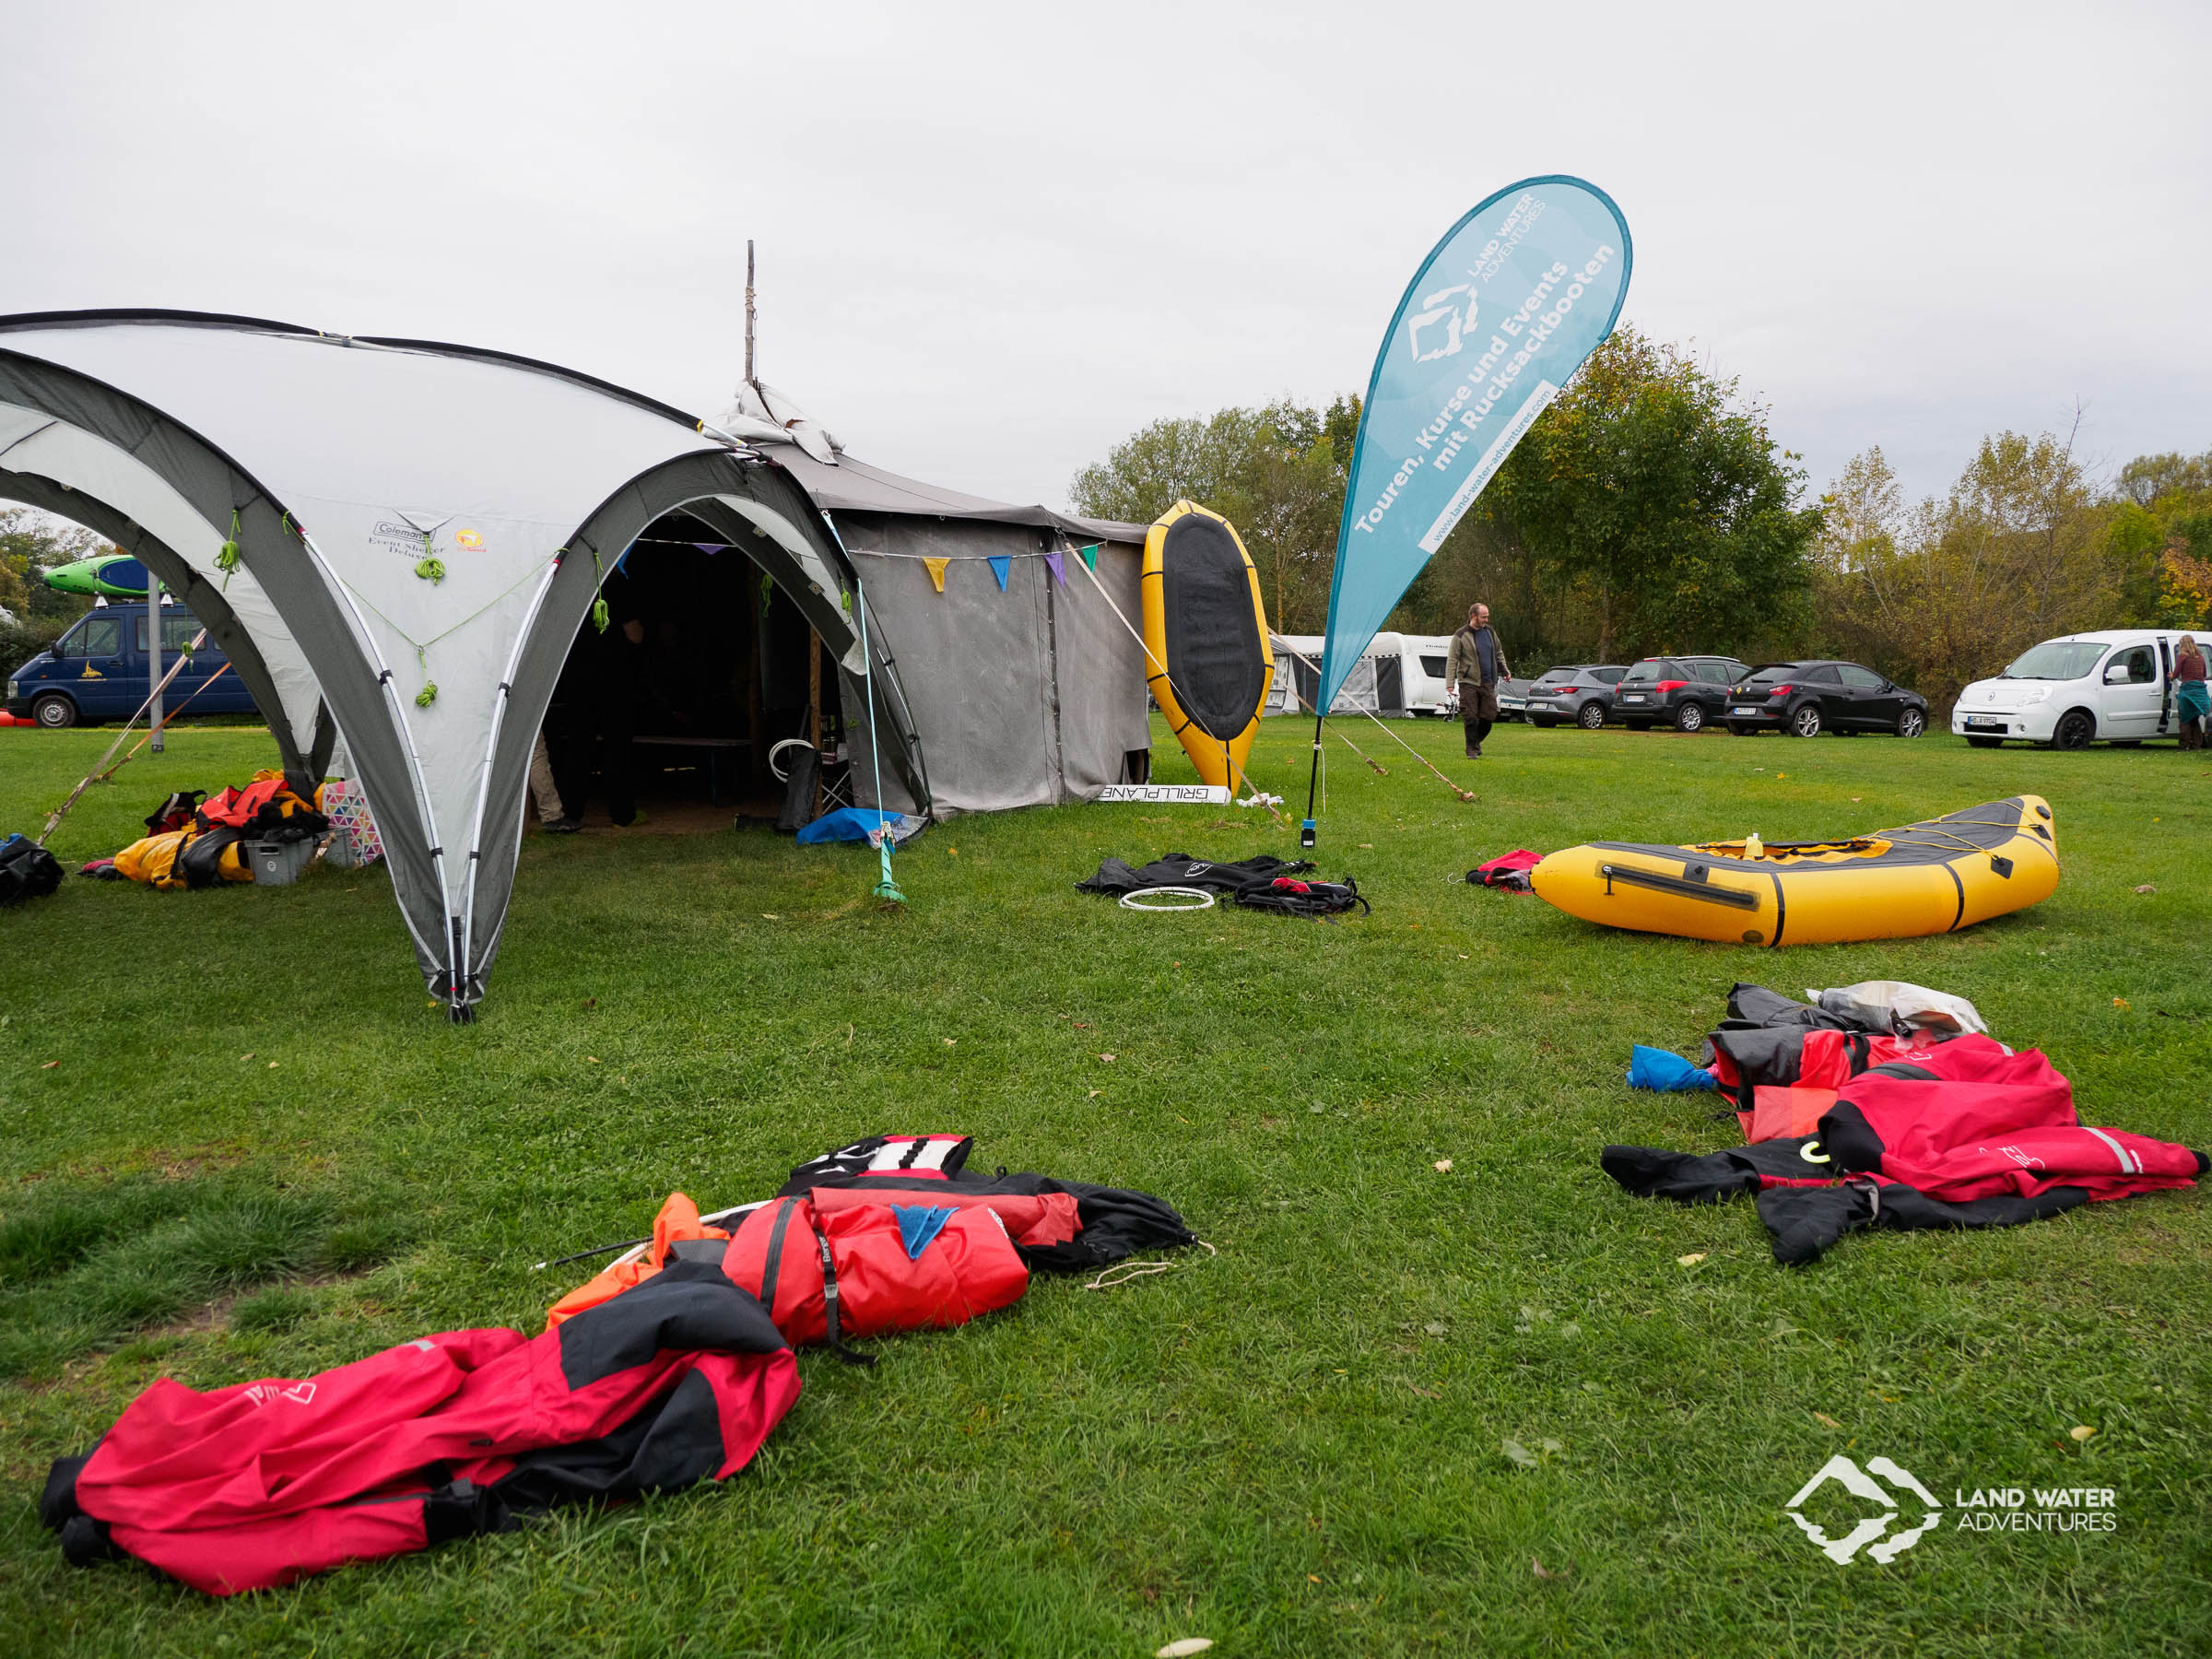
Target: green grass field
{"points": [[1294, 1448]]}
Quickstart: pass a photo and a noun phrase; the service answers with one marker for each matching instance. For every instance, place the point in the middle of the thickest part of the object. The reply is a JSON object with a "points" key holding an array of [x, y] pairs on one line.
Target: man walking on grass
{"points": [[1477, 664]]}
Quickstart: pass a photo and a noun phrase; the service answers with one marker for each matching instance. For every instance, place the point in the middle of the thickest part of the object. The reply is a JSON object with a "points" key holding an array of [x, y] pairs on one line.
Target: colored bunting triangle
{"points": [[1000, 564], [937, 572], [1059, 570], [1090, 556]]}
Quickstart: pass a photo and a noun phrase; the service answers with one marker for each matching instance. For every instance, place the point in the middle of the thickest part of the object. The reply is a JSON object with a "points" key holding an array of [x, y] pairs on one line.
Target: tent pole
{"points": [[814, 710], [749, 311], [425, 814], [153, 652], [1305, 830], [888, 889], [492, 749]]}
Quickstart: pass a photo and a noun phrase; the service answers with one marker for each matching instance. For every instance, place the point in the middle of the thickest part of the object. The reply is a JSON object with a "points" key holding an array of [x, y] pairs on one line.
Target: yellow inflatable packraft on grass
{"points": [[1206, 637], [1929, 877]]}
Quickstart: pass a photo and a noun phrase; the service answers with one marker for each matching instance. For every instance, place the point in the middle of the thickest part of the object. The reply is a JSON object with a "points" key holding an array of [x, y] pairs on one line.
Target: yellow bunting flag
{"points": [[937, 572]]}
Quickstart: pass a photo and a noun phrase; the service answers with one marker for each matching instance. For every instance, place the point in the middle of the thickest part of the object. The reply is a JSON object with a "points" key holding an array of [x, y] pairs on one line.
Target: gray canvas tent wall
{"points": [[1030, 696], [338, 467]]}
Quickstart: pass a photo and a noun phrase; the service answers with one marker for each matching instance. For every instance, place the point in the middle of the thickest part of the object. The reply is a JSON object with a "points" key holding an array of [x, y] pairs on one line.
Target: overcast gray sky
{"points": [[994, 239]]}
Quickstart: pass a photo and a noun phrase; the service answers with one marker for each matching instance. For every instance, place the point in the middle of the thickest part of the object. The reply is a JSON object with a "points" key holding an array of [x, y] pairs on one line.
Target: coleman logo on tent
{"points": [[1860, 1483]]}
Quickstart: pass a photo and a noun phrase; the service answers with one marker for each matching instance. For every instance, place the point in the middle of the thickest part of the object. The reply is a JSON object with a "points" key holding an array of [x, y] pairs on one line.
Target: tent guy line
{"points": [[1465, 794]]}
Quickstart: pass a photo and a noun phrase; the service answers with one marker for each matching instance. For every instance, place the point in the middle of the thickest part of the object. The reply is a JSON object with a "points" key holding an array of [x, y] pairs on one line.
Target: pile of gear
{"points": [[197, 843], [1887, 1105], [1264, 883], [671, 1367], [26, 870]]}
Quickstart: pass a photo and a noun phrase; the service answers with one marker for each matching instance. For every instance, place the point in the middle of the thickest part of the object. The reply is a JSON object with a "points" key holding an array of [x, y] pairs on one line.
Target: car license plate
{"points": [[1977, 723], [1633, 697], [1743, 711]]}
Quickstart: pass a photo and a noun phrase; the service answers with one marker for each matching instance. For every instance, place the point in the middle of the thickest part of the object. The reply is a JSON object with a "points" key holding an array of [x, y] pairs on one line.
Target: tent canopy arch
{"points": [[414, 515], [261, 653], [422, 529], [91, 454]]}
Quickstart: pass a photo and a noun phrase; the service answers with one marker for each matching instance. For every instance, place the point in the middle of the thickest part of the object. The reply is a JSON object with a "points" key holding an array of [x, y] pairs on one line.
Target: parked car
{"points": [[1689, 691], [1806, 698], [98, 670], [2069, 692], [1579, 692], [1512, 698]]}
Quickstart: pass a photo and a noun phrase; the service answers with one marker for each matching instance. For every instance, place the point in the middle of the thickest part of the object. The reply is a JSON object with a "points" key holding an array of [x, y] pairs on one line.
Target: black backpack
{"points": [[26, 870]]}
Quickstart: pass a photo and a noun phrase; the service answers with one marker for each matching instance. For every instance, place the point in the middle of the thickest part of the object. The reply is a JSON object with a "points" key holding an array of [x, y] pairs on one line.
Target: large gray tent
{"points": [[1025, 696], [419, 530]]}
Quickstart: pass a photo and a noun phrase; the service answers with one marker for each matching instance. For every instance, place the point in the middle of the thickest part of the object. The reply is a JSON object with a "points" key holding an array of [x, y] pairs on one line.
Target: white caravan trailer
{"points": [[1398, 675]]}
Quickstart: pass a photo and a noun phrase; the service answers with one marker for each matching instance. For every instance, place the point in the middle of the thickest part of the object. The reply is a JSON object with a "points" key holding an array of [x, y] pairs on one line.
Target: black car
{"points": [[1688, 692], [1806, 699], [1581, 692]]}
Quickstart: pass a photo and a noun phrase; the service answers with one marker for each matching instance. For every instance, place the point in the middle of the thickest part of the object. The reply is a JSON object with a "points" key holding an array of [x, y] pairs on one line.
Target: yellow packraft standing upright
{"points": [[1208, 661]]}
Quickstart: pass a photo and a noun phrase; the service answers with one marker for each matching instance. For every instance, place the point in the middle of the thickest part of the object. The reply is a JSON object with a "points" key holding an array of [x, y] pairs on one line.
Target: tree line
{"points": [[32, 616], [1650, 511]]}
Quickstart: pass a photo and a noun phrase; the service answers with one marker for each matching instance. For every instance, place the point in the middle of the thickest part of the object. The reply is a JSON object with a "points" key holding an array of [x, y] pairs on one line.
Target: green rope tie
{"points": [[600, 615], [226, 556], [430, 568], [429, 694]]}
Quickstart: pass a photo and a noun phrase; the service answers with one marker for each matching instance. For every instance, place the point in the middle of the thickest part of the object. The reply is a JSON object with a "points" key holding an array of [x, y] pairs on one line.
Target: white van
{"points": [[2117, 685]]}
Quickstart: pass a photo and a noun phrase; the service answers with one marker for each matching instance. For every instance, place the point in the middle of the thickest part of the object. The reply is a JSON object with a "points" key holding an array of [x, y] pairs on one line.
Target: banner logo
{"points": [[1457, 318]]}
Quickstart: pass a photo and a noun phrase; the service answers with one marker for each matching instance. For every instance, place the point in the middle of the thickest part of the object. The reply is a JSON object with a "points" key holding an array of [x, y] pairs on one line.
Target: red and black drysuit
{"points": [[676, 1380], [894, 1233], [1962, 1133], [1781, 1061]]}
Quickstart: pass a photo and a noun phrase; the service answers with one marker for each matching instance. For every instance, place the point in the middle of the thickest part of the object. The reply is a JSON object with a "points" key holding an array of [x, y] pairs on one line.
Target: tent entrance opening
{"points": [[674, 711]]}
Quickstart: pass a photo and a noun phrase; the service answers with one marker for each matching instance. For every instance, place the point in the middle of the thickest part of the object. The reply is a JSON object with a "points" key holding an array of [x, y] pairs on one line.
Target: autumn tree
{"points": [[1651, 491], [2022, 547], [1277, 473]]}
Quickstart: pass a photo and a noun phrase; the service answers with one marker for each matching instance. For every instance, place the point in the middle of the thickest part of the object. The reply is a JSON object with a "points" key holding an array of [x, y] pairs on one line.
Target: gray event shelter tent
{"points": [[396, 542]]}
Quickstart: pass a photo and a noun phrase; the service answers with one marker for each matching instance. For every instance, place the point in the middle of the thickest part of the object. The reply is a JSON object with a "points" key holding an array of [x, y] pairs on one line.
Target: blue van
{"points": [[98, 671]]}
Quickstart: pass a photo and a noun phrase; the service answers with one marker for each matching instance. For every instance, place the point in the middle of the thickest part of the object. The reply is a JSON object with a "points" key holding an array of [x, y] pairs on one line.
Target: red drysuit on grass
{"points": [[676, 1380], [1965, 1120], [1954, 1134]]}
